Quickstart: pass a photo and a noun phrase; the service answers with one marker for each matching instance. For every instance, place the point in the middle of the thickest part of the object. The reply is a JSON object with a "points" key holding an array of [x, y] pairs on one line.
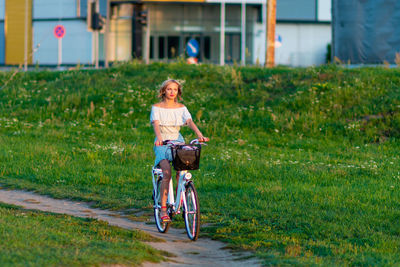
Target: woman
{"points": [[167, 117]]}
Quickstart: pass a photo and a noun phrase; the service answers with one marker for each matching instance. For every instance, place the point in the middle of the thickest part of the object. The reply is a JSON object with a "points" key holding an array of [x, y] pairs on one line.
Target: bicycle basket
{"points": [[186, 157]]}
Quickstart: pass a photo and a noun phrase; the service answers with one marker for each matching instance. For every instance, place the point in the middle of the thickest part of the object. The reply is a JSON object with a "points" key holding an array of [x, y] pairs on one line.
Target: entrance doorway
{"points": [[169, 47]]}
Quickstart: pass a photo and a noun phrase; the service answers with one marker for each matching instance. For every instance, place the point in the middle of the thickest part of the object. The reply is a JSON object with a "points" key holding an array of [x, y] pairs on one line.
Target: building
{"points": [[366, 32], [159, 30], [305, 30]]}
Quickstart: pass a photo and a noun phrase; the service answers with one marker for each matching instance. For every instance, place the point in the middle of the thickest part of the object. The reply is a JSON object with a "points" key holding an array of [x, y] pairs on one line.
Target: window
{"points": [[151, 47], [296, 10], [161, 44], [207, 47], [81, 8], [173, 46]]}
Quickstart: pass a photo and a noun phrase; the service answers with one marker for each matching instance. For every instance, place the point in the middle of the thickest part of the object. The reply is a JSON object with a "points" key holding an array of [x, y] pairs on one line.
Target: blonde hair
{"points": [[164, 85]]}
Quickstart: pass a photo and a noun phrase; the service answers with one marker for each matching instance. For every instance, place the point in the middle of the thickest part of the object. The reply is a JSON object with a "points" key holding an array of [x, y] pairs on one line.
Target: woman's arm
{"points": [[156, 126], [193, 126]]}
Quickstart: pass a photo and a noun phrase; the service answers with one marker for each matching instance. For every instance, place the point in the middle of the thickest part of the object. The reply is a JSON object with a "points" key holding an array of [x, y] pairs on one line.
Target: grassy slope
{"points": [[302, 165]]}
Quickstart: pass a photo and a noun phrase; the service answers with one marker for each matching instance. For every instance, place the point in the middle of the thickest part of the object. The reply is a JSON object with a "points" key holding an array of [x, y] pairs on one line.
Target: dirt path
{"points": [[203, 252]]}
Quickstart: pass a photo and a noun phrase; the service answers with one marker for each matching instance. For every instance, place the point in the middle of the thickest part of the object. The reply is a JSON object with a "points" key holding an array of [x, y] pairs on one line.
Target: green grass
{"points": [[43, 239], [302, 166]]}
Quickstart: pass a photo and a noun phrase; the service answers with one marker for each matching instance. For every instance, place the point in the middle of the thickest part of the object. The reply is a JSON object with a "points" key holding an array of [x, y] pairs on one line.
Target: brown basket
{"points": [[186, 157]]}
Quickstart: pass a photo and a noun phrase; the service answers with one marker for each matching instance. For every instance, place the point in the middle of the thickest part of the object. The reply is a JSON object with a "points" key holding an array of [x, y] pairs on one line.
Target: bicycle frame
{"points": [[184, 177]]}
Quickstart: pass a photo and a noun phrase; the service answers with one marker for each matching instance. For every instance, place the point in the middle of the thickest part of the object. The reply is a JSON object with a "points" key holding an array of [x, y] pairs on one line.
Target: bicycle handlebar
{"points": [[196, 141], [172, 143]]}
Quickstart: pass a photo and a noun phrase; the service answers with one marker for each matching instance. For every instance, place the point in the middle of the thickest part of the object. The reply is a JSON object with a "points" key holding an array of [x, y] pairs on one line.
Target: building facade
{"points": [[227, 31]]}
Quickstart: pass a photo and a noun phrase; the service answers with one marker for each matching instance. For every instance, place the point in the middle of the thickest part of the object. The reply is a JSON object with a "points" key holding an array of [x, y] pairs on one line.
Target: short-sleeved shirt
{"points": [[171, 120]]}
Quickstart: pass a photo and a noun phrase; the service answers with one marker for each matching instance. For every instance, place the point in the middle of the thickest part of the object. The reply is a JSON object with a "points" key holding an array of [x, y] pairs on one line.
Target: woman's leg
{"points": [[177, 181], [166, 169]]}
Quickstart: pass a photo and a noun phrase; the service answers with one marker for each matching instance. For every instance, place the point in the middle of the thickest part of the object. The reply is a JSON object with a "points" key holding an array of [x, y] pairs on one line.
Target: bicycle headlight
{"points": [[188, 175]]}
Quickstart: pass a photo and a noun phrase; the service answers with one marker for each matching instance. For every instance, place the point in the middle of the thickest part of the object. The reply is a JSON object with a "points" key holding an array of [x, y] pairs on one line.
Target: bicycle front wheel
{"points": [[162, 227], [192, 212]]}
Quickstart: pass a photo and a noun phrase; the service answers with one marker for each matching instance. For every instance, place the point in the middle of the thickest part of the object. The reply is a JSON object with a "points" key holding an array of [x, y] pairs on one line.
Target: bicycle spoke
{"points": [[193, 226], [161, 226], [192, 212]]}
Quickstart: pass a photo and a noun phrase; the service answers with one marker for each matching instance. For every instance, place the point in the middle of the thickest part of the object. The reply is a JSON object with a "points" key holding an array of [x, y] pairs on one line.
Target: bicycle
{"points": [[186, 199]]}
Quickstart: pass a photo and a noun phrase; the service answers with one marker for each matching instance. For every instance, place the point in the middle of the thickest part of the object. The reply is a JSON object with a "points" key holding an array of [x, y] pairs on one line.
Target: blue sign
{"points": [[278, 41], [192, 48]]}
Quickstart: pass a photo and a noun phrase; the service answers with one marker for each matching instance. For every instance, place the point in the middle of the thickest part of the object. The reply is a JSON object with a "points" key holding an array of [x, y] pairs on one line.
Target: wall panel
{"points": [[366, 32], [324, 10], [2, 43], [296, 10], [2, 9], [76, 45], [2, 37], [15, 31], [44, 9], [302, 44]]}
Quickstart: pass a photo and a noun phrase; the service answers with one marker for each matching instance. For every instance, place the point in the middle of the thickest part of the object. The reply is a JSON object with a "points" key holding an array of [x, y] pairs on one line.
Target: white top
{"points": [[171, 120]]}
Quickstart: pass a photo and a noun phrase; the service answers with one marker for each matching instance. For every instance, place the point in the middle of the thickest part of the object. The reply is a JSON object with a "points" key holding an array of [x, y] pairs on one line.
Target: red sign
{"points": [[59, 31], [192, 60]]}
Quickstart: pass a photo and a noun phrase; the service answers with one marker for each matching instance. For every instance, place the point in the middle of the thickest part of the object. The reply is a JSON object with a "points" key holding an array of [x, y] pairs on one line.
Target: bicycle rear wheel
{"points": [[192, 212], [162, 227]]}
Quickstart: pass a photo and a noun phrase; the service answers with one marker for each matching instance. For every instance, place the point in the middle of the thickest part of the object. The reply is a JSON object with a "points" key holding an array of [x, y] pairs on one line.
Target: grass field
{"points": [[44, 239], [302, 166]]}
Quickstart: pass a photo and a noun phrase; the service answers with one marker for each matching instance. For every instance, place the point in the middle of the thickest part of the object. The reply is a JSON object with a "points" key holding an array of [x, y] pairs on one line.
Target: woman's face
{"points": [[171, 91]]}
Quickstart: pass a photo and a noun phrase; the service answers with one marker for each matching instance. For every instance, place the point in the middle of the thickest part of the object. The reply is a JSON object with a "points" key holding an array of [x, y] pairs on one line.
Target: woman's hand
{"points": [[158, 142], [203, 139]]}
